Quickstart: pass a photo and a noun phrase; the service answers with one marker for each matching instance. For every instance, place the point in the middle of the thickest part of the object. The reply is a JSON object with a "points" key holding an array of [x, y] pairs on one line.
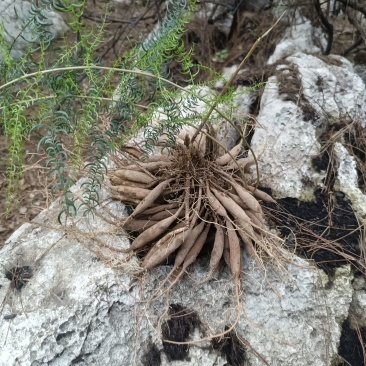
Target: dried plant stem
{"points": [[228, 83]]}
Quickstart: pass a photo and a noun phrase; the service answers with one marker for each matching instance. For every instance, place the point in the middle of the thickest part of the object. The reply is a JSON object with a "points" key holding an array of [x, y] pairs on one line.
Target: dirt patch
{"points": [[178, 328], [34, 189], [320, 162], [290, 89], [152, 356], [326, 230], [19, 276], [231, 347], [351, 347]]}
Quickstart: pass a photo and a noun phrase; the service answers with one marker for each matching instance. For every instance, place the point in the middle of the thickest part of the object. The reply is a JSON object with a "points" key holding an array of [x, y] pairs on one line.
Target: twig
{"points": [[351, 48], [228, 83], [355, 22], [327, 26], [355, 5]]}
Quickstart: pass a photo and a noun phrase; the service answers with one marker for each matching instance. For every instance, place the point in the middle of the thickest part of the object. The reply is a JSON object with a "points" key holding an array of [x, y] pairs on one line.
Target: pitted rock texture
{"points": [[77, 309], [286, 138]]}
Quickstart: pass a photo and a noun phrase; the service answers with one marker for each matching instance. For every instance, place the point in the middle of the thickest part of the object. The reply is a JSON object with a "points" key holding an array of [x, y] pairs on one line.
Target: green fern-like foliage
{"points": [[69, 92]]}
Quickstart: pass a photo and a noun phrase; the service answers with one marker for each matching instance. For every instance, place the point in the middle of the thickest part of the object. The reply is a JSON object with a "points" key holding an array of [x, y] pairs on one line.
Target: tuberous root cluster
{"points": [[189, 199]]}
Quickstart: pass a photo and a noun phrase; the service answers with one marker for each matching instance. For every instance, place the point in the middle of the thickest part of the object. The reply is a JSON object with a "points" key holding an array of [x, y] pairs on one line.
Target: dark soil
{"points": [[320, 162], [19, 276], [152, 356], [350, 347], [324, 230], [232, 348], [178, 328]]}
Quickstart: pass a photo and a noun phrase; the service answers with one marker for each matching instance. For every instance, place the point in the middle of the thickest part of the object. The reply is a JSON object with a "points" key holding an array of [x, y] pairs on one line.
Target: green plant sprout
{"points": [[222, 55]]}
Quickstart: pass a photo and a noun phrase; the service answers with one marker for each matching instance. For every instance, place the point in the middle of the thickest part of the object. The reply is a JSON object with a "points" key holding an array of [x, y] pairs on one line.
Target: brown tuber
{"points": [[182, 199]]}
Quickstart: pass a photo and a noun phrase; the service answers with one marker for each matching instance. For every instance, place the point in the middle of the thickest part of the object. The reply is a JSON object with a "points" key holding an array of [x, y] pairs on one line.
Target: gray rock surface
{"points": [[301, 36], [328, 91], [17, 18], [76, 308], [358, 304]]}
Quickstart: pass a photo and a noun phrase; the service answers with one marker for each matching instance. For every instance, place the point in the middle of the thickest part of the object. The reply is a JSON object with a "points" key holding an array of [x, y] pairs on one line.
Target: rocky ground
{"points": [[310, 142]]}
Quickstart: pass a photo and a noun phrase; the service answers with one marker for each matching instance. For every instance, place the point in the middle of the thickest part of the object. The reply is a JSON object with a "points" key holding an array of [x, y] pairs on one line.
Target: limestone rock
{"points": [[358, 304], [17, 15], [77, 308], [327, 91], [300, 36]]}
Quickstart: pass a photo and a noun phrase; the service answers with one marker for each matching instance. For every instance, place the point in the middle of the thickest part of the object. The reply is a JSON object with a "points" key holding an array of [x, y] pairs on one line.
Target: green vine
{"points": [[70, 91]]}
